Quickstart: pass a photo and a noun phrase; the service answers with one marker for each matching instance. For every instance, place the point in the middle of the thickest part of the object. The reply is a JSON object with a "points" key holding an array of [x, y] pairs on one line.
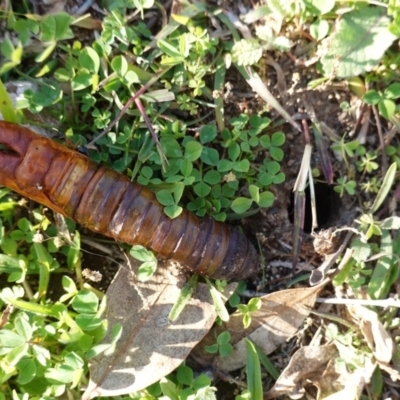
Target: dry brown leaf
{"points": [[88, 22], [378, 339], [278, 319], [315, 366], [353, 383], [318, 274], [311, 365], [392, 371], [151, 346], [55, 6]]}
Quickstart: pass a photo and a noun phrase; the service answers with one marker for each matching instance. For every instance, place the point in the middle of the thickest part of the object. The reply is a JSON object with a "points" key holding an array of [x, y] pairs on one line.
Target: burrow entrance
{"points": [[327, 204]]}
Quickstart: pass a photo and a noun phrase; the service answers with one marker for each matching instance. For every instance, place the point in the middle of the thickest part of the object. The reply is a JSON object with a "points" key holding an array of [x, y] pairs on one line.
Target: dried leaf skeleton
{"points": [[107, 202]]}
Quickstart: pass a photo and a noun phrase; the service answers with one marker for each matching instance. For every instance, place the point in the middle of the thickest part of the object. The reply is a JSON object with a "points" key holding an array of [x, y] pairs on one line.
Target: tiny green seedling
{"points": [[246, 309], [345, 186], [384, 100], [222, 347], [346, 149], [368, 162], [241, 204], [149, 265], [184, 385]]}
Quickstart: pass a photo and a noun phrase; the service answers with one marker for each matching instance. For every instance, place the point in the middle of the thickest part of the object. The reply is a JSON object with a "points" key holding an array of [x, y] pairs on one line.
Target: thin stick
{"points": [[381, 141], [126, 106], [362, 302], [160, 150]]}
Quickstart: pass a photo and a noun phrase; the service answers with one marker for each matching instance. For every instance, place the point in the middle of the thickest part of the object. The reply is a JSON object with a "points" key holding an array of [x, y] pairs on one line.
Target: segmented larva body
{"points": [[107, 202]]}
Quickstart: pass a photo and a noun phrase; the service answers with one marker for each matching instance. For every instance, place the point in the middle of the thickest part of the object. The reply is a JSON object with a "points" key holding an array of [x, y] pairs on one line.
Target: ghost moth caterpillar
{"points": [[107, 202]]}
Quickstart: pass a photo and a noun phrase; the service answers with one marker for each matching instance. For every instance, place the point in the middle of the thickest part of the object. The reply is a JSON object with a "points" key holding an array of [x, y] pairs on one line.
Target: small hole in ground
{"points": [[328, 202]]}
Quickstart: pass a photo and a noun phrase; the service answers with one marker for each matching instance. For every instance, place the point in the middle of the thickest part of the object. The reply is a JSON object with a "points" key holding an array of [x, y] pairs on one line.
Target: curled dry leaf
{"points": [[151, 346], [310, 365], [280, 316], [315, 366], [353, 383], [326, 242], [318, 274], [378, 339]]}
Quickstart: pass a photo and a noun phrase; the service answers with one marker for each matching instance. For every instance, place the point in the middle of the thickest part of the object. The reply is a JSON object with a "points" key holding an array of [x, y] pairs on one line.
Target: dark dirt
{"points": [[273, 227]]}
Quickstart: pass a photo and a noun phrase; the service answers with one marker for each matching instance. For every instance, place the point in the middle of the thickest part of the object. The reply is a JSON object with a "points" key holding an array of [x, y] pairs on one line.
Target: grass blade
{"points": [[299, 211], [256, 83], [44, 260], [380, 283], [323, 153], [267, 364], [218, 302], [313, 201], [385, 188], [185, 295], [253, 371], [219, 88], [301, 181], [300, 202], [6, 106]]}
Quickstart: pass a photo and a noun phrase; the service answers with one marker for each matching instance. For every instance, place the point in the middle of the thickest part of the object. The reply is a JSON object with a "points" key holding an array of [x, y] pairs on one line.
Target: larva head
{"points": [[13, 145], [25, 158]]}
